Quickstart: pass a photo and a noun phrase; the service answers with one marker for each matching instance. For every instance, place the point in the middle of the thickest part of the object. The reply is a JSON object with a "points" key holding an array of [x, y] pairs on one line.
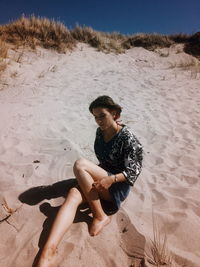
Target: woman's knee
{"points": [[80, 164], [74, 194]]}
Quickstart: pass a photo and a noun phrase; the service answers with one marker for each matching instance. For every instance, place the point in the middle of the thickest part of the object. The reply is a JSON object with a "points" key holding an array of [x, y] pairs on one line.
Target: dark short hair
{"points": [[105, 101]]}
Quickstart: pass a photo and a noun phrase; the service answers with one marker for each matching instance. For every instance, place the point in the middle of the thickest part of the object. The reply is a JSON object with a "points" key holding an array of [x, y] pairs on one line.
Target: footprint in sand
{"points": [[179, 203], [65, 252], [141, 196], [177, 218], [177, 192], [186, 160], [158, 197], [195, 209], [170, 227], [157, 160], [179, 215], [189, 180]]}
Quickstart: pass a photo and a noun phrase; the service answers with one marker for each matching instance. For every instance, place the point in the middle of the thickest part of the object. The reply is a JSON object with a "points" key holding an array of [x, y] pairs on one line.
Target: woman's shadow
{"points": [[35, 195]]}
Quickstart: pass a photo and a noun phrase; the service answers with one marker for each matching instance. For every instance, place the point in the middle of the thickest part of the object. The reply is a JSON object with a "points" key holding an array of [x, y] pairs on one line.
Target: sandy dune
{"points": [[45, 126]]}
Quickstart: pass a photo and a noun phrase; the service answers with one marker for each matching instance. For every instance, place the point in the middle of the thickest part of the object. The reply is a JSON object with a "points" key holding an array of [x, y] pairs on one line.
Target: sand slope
{"points": [[44, 102]]}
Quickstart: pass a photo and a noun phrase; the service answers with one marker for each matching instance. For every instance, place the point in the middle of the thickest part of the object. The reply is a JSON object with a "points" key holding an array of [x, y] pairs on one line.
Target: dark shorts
{"points": [[119, 192]]}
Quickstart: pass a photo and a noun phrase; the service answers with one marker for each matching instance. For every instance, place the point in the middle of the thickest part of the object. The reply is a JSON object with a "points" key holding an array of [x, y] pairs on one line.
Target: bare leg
{"points": [[86, 173], [61, 224], [83, 170]]}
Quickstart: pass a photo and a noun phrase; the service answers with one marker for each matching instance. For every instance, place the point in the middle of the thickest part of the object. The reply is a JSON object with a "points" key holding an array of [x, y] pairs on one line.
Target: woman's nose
{"points": [[98, 119]]}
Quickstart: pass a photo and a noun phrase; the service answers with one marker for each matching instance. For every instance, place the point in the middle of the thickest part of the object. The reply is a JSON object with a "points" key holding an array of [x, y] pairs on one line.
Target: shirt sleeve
{"points": [[133, 156]]}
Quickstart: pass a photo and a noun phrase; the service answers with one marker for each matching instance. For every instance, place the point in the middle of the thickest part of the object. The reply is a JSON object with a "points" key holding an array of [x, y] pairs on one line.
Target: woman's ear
{"points": [[114, 115]]}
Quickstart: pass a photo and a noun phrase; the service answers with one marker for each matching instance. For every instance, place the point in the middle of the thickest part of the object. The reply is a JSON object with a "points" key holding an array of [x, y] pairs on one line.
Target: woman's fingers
{"points": [[98, 186], [102, 184]]}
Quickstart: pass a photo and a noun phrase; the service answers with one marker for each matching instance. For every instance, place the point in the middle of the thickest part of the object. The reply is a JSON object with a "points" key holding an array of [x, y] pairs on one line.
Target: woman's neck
{"points": [[111, 131]]}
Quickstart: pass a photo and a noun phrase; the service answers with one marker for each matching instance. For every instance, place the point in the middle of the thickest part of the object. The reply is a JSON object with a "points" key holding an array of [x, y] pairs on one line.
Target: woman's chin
{"points": [[102, 127]]}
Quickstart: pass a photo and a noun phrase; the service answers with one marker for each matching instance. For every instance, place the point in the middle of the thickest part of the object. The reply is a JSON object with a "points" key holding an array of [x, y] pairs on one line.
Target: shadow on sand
{"points": [[35, 195]]}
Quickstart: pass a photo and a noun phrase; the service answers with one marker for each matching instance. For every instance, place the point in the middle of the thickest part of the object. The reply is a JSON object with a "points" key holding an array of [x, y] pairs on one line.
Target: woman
{"points": [[120, 162]]}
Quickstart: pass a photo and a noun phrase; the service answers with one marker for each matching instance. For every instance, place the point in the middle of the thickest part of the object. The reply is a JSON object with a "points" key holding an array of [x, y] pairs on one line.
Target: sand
{"points": [[45, 126]]}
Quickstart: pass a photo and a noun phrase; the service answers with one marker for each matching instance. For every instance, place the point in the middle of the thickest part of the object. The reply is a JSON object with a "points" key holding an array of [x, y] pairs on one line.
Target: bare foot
{"points": [[98, 224], [47, 258]]}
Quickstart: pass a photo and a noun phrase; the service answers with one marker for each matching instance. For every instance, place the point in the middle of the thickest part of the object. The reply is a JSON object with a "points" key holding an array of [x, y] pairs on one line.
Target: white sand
{"points": [[44, 102]]}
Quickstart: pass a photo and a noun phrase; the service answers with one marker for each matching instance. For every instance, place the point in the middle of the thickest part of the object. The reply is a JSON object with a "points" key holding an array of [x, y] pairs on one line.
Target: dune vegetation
{"points": [[35, 31], [32, 32], [3, 55]]}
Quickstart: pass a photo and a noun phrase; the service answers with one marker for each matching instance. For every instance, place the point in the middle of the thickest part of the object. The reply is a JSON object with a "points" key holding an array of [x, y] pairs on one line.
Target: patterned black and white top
{"points": [[122, 154]]}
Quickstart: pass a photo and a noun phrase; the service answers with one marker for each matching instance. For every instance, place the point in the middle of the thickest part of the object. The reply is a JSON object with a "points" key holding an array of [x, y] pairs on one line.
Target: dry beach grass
{"points": [[3, 55], [35, 31]]}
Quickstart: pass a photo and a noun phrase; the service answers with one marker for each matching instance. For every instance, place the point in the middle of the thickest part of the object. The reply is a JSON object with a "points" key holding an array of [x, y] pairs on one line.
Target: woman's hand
{"points": [[104, 183]]}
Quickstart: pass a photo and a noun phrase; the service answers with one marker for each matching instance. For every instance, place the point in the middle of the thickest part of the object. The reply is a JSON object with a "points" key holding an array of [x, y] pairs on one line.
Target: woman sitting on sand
{"points": [[120, 161]]}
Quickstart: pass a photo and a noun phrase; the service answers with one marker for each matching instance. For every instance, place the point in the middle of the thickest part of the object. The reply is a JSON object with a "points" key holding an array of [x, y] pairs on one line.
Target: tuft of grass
{"points": [[190, 64], [192, 47], [117, 36], [179, 37], [3, 55], [35, 31], [147, 41], [102, 41], [88, 35], [3, 49], [159, 254]]}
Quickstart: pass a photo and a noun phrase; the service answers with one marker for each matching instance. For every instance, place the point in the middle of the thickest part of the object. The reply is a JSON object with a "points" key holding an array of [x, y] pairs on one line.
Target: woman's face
{"points": [[104, 117]]}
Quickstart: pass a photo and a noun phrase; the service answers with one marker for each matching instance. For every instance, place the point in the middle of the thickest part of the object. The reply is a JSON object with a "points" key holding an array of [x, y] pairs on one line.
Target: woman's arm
{"points": [[132, 159], [119, 177], [107, 181]]}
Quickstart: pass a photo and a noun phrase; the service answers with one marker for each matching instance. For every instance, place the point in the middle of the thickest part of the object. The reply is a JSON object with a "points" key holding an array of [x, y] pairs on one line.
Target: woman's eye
{"points": [[100, 117]]}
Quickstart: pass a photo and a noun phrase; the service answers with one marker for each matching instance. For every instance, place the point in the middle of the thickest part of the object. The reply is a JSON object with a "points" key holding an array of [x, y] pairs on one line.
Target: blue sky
{"points": [[125, 16]]}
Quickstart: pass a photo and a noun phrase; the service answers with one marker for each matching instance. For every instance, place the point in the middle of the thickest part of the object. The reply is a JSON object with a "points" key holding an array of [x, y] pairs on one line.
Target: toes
{"points": [[98, 225]]}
